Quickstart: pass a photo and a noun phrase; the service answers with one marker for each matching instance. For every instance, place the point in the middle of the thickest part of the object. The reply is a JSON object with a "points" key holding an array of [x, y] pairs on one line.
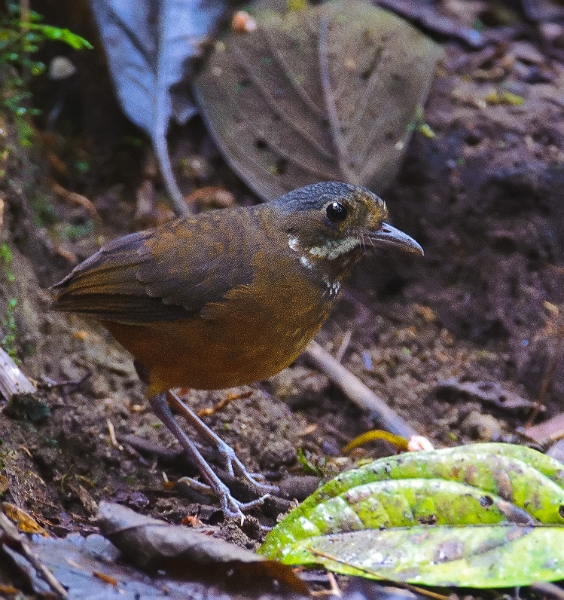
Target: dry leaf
{"points": [[330, 93]]}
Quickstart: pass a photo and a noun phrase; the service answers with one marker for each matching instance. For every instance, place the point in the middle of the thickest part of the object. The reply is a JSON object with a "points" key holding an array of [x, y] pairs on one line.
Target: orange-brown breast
{"points": [[252, 333]]}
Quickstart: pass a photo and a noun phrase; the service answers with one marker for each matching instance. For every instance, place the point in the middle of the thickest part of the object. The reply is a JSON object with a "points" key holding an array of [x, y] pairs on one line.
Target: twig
{"points": [[24, 15], [548, 589], [74, 198], [143, 446], [50, 384], [357, 391], [333, 590], [24, 29], [344, 345], [112, 434], [17, 542], [229, 398]]}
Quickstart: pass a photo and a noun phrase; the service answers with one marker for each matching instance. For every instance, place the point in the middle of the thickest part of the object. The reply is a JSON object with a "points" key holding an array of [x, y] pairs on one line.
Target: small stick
{"points": [[112, 433], [357, 391], [50, 384], [344, 345], [333, 590], [548, 589], [75, 198], [206, 412]]}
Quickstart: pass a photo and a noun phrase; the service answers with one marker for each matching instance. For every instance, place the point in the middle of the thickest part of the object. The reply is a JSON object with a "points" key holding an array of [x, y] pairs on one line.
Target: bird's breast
{"points": [[254, 331]]}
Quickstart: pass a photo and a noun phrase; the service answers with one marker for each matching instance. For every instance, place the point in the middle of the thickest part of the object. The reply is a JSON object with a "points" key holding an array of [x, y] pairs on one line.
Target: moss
{"points": [[9, 319], [10, 328]]}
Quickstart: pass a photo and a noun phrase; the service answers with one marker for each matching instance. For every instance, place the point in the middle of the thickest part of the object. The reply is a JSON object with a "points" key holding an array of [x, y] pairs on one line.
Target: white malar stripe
{"points": [[335, 248], [293, 242]]}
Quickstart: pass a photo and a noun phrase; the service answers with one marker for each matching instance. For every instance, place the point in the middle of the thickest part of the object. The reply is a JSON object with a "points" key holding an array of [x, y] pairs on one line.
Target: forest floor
{"points": [[484, 199]]}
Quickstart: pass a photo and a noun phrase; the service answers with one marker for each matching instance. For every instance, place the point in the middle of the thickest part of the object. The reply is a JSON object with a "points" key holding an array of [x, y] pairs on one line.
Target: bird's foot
{"points": [[235, 467], [230, 506]]}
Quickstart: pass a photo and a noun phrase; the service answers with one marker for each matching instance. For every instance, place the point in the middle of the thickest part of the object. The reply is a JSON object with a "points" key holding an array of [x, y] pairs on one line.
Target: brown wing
{"points": [[166, 273]]}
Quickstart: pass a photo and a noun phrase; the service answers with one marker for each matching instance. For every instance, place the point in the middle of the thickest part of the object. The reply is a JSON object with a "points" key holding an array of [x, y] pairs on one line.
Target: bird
{"points": [[228, 297]]}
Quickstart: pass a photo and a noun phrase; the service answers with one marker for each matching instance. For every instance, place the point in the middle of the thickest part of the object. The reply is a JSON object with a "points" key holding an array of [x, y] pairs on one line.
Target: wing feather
{"points": [[161, 274]]}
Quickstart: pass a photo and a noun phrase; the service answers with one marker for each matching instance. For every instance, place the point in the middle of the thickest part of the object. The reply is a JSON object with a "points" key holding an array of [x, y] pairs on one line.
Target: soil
{"points": [[484, 199]]}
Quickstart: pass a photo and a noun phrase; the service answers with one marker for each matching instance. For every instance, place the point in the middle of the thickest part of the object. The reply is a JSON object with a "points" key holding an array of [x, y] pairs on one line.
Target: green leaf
{"points": [[61, 35], [439, 517], [473, 556]]}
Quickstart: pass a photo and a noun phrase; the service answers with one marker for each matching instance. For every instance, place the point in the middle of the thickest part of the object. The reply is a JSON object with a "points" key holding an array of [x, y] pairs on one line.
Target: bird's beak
{"points": [[390, 237]]}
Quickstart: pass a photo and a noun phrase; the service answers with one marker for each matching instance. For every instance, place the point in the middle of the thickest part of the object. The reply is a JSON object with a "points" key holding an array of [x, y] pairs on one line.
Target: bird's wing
{"points": [[166, 273]]}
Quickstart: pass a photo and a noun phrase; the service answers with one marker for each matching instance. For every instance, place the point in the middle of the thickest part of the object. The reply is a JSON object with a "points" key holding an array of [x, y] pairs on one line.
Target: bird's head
{"points": [[330, 224]]}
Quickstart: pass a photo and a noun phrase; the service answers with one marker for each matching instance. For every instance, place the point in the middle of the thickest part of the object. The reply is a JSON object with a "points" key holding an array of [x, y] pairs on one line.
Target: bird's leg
{"points": [[227, 453], [230, 506]]}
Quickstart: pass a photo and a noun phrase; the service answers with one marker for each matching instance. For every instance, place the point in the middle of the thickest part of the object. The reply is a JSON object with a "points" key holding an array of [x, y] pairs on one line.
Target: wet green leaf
{"points": [[459, 516], [480, 557]]}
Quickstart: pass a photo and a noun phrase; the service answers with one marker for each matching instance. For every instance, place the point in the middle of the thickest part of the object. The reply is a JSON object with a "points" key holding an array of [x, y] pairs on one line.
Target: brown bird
{"points": [[228, 297]]}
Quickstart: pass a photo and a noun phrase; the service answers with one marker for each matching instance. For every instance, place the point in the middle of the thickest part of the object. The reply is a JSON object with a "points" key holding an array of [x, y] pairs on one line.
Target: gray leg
{"points": [[230, 506]]}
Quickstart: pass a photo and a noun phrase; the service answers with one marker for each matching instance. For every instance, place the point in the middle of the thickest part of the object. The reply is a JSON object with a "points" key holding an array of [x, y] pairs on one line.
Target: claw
{"points": [[230, 506]]}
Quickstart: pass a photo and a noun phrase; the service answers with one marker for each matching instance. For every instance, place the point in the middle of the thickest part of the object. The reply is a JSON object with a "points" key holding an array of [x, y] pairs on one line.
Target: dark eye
{"points": [[336, 212]]}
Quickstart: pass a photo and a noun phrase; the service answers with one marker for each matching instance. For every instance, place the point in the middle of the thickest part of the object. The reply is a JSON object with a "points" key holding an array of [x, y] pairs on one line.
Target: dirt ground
{"points": [[483, 197]]}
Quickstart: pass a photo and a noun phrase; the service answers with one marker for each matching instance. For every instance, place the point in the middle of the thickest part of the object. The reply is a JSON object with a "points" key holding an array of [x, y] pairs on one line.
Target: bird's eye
{"points": [[336, 212]]}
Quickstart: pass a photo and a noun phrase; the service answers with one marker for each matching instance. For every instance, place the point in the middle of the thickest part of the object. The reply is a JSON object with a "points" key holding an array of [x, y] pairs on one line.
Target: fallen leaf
{"points": [[484, 515], [328, 93], [155, 546], [150, 46]]}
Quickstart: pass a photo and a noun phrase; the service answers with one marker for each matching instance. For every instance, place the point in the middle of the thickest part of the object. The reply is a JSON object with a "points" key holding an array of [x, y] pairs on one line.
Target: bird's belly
{"points": [[233, 343]]}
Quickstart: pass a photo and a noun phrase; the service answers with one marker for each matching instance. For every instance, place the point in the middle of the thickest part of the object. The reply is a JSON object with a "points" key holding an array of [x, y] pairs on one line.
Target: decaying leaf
{"points": [[485, 515], [332, 92], [90, 569], [150, 46], [154, 545]]}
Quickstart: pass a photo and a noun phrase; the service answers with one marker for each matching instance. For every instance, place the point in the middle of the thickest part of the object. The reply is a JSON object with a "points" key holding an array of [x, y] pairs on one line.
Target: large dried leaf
{"points": [[93, 569], [327, 93], [487, 515], [150, 45], [154, 545]]}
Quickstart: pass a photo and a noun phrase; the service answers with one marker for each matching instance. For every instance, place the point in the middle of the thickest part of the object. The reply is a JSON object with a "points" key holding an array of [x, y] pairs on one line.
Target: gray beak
{"points": [[390, 237]]}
